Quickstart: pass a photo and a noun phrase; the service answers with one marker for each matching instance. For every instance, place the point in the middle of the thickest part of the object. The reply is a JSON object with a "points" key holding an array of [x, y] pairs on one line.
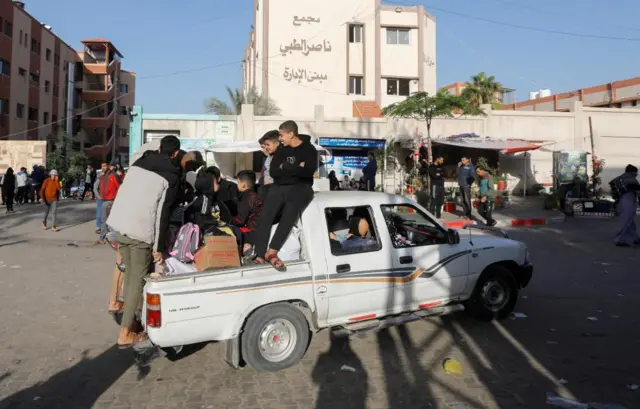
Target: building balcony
{"points": [[98, 118], [97, 92]]}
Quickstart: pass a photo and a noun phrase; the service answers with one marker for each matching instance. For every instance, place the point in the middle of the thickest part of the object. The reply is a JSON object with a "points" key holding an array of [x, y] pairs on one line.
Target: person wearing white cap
{"points": [[49, 191]]}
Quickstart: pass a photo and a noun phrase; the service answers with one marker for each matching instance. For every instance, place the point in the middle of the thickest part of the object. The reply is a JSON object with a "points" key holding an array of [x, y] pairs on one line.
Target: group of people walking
{"points": [[466, 175], [22, 187]]}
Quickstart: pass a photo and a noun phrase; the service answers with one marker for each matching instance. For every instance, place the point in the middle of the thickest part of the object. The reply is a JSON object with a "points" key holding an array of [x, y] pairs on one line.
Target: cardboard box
{"points": [[217, 252]]}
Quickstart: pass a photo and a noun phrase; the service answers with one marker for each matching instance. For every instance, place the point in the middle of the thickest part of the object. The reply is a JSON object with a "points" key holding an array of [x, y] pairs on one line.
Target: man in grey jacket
{"points": [[466, 176], [140, 217]]}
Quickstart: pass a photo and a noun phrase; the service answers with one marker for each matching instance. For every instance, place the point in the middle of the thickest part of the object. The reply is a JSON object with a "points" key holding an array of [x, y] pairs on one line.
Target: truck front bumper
{"points": [[525, 272]]}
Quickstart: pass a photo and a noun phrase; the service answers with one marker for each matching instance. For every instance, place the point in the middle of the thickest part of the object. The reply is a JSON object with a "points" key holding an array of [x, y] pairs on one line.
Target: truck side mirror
{"points": [[453, 237]]}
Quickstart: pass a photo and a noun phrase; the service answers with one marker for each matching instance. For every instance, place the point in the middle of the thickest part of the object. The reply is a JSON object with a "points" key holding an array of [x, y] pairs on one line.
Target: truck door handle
{"points": [[406, 260], [343, 268]]}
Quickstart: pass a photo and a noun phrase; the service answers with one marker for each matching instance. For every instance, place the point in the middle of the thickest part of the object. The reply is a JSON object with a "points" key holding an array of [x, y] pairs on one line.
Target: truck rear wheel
{"points": [[495, 294], [275, 337]]}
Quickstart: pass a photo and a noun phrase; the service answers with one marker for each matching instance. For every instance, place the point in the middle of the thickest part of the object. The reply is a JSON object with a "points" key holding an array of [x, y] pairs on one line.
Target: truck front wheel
{"points": [[495, 294], [275, 337]]}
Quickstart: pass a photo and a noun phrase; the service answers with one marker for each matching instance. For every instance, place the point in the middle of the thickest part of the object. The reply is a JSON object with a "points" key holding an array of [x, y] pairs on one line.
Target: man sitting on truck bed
{"points": [[249, 208], [140, 215], [292, 168]]}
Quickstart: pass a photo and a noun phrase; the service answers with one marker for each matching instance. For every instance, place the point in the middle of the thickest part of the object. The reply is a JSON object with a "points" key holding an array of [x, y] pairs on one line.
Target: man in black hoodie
{"points": [[292, 168]]}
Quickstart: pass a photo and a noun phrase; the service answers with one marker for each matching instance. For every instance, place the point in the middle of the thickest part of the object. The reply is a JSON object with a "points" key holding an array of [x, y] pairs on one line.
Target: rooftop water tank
{"points": [[545, 92], [534, 95]]}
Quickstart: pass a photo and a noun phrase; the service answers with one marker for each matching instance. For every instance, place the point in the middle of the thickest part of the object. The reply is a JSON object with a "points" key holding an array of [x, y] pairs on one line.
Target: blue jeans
{"points": [[98, 213]]}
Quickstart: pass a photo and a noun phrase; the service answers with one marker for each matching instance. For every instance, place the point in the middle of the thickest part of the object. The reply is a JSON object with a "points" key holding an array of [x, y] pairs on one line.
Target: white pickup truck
{"points": [[407, 267]]}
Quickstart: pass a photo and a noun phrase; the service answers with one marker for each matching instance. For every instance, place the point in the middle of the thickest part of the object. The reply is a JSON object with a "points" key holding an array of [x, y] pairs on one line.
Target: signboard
{"points": [[225, 131], [352, 143]]}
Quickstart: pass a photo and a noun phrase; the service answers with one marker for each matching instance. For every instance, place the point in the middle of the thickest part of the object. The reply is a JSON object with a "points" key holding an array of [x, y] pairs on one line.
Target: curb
{"points": [[524, 222]]}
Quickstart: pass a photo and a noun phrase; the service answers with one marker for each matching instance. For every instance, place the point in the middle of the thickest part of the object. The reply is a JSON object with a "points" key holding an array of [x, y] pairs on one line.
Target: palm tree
{"points": [[262, 106], [482, 89]]}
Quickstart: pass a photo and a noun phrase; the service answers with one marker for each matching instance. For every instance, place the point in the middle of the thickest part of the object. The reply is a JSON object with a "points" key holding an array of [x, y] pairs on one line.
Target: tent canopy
{"points": [[474, 141]]}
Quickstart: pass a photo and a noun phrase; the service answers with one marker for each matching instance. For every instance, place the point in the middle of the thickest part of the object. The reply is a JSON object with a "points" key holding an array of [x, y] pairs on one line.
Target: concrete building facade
{"points": [[616, 134], [47, 87], [354, 58]]}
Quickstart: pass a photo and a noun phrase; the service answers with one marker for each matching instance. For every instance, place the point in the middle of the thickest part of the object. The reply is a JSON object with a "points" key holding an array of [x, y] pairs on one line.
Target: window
{"points": [[5, 67], [409, 227], [33, 114], [124, 88], [123, 110], [47, 86], [398, 36], [124, 133], [35, 46], [45, 118], [398, 86], [20, 38], [352, 230], [34, 79], [26, 40], [47, 54], [23, 73], [355, 86], [4, 106], [8, 29], [355, 33], [20, 110], [56, 59]]}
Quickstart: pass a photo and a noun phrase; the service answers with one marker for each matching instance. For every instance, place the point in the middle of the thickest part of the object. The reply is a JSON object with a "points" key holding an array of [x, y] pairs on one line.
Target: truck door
{"points": [[439, 270], [358, 267]]}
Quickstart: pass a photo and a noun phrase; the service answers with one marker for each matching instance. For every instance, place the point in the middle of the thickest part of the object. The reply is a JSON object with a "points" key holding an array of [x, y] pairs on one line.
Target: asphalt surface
{"points": [[580, 337]]}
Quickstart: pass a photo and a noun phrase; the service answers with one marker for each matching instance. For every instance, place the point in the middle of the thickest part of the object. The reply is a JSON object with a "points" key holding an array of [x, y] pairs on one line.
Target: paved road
{"points": [[58, 341]]}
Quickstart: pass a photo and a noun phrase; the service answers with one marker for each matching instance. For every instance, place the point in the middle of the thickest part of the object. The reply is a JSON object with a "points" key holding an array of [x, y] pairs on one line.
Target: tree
{"points": [[262, 106], [425, 107], [69, 163], [481, 90]]}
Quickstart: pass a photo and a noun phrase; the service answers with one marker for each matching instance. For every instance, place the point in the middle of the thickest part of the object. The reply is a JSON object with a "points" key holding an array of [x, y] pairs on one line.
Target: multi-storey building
{"points": [[616, 94], [47, 87], [353, 57]]}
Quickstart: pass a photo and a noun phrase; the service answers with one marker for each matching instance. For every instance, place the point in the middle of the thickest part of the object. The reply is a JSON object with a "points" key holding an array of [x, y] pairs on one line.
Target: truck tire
{"points": [[495, 294], [274, 337]]}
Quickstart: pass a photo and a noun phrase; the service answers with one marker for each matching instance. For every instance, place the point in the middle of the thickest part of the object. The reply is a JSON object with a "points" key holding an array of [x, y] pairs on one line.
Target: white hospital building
{"points": [[353, 57]]}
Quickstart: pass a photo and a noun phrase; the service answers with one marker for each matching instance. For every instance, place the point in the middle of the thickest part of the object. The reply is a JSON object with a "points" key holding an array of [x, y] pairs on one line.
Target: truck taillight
{"points": [[154, 313]]}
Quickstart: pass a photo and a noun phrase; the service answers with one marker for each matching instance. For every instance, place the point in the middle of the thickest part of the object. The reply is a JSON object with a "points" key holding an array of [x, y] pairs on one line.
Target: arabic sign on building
{"points": [[351, 143], [297, 21], [305, 47], [302, 74]]}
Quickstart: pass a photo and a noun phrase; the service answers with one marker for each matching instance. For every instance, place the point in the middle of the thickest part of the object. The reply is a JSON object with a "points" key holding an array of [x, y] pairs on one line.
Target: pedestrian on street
{"points": [[627, 195], [369, 173], [96, 194], [487, 196], [466, 177], [140, 217], [89, 180], [21, 182], [8, 189], [49, 192], [107, 189], [436, 177], [37, 177]]}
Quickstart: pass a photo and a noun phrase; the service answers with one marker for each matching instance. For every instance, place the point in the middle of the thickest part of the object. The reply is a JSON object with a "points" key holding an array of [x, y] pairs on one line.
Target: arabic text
{"points": [[304, 47], [301, 74]]}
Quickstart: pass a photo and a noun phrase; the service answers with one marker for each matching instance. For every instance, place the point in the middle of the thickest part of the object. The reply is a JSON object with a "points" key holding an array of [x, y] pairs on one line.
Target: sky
{"points": [[159, 37]]}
